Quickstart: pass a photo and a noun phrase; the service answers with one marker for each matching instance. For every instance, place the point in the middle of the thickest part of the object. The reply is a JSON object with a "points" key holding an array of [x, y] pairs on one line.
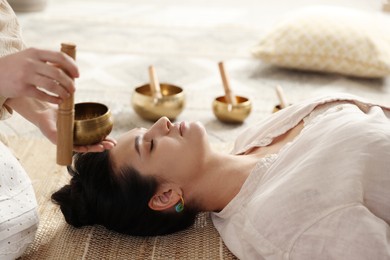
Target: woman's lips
{"points": [[182, 128]]}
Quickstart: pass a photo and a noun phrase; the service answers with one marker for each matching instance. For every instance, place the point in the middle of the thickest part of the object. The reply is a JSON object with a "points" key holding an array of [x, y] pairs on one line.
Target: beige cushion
{"points": [[329, 39]]}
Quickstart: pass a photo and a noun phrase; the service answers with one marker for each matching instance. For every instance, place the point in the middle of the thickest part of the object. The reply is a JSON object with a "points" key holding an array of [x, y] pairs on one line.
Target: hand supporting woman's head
{"points": [[117, 199]]}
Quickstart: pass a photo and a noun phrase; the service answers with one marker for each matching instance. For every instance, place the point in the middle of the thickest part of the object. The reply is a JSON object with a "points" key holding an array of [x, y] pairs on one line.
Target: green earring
{"points": [[180, 206]]}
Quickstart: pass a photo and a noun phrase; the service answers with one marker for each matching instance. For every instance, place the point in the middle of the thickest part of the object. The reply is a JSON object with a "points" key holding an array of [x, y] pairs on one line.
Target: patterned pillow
{"points": [[330, 39]]}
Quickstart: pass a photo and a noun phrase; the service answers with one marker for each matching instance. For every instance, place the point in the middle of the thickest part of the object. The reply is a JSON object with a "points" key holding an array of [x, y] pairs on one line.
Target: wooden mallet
{"points": [[154, 84], [229, 95], [281, 96], [65, 119]]}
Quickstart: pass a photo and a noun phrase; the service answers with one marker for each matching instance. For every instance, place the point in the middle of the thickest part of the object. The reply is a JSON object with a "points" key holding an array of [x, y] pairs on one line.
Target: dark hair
{"points": [[117, 200]]}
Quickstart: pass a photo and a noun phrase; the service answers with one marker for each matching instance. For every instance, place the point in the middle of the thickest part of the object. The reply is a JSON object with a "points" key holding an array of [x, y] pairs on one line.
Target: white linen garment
{"points": [[11, 41], [10, 36], [324, 195], [18, 207]]}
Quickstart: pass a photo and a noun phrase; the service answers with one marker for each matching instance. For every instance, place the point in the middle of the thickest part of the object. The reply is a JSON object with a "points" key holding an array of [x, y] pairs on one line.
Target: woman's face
{"points": [[173, 152]]}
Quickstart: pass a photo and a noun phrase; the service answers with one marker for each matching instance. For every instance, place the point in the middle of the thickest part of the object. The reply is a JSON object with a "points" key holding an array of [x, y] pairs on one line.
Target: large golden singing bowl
{"points": [[92, 123], [234, 114], [170, 105]]}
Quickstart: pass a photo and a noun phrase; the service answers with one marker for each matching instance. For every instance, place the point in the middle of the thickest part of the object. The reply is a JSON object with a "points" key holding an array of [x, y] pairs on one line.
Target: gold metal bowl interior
{"points": [[234, 114], [170, 105], [92, 123]]}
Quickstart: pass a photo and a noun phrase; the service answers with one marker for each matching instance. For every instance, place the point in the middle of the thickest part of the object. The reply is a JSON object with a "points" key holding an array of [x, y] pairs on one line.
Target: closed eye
{"points": [[151, 145]]}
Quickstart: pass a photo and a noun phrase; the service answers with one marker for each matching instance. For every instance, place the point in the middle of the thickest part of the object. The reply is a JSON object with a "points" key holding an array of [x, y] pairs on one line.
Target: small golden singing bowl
{"points": [[276, 108], [92, 123], [170, 105], [234, 114]]}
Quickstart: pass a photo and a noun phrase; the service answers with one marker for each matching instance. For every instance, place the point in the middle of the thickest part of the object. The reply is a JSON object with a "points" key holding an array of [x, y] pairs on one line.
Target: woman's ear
{"points": [[166, 197]]}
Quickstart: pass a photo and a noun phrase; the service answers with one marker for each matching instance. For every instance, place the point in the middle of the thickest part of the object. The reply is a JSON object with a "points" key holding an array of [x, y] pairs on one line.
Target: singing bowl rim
{"points": [[162, 85], [102, 116], [241, 101]]}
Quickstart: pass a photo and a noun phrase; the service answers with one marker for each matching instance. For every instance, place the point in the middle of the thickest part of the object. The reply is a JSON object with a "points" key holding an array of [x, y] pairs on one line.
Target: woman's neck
{"points": [[224, 174], [222, 179]]}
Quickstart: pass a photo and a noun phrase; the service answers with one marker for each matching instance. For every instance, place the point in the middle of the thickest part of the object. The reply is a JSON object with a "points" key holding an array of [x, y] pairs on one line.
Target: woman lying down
{"points": [[310, 182]]}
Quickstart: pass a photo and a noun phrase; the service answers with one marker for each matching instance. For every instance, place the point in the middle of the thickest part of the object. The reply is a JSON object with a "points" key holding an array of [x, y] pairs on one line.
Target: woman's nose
{"points": [[163, 123], [161, 126]]}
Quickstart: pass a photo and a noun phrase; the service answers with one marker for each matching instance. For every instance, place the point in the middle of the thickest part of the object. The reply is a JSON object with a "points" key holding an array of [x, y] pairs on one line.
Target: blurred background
{"points": [[184, 39]]}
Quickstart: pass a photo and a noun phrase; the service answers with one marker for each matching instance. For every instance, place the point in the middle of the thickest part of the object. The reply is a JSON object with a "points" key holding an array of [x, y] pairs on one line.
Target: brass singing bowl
{"points": [[92, 123], [234, 114], [276, 108], [170, 105]]}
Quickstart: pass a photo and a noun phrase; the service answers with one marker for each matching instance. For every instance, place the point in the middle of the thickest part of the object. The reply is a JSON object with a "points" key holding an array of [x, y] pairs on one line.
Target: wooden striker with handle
{"points": [[65, 119], [229, 95]]}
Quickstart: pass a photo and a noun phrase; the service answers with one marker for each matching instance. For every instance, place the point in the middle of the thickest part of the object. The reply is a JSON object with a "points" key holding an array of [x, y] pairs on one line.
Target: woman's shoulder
{"points": [[263, 132]]}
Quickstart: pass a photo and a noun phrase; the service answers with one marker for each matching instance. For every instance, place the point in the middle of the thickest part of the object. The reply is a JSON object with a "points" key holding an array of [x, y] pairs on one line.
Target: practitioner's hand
{"points": [[106, 144], [22, 73]]}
